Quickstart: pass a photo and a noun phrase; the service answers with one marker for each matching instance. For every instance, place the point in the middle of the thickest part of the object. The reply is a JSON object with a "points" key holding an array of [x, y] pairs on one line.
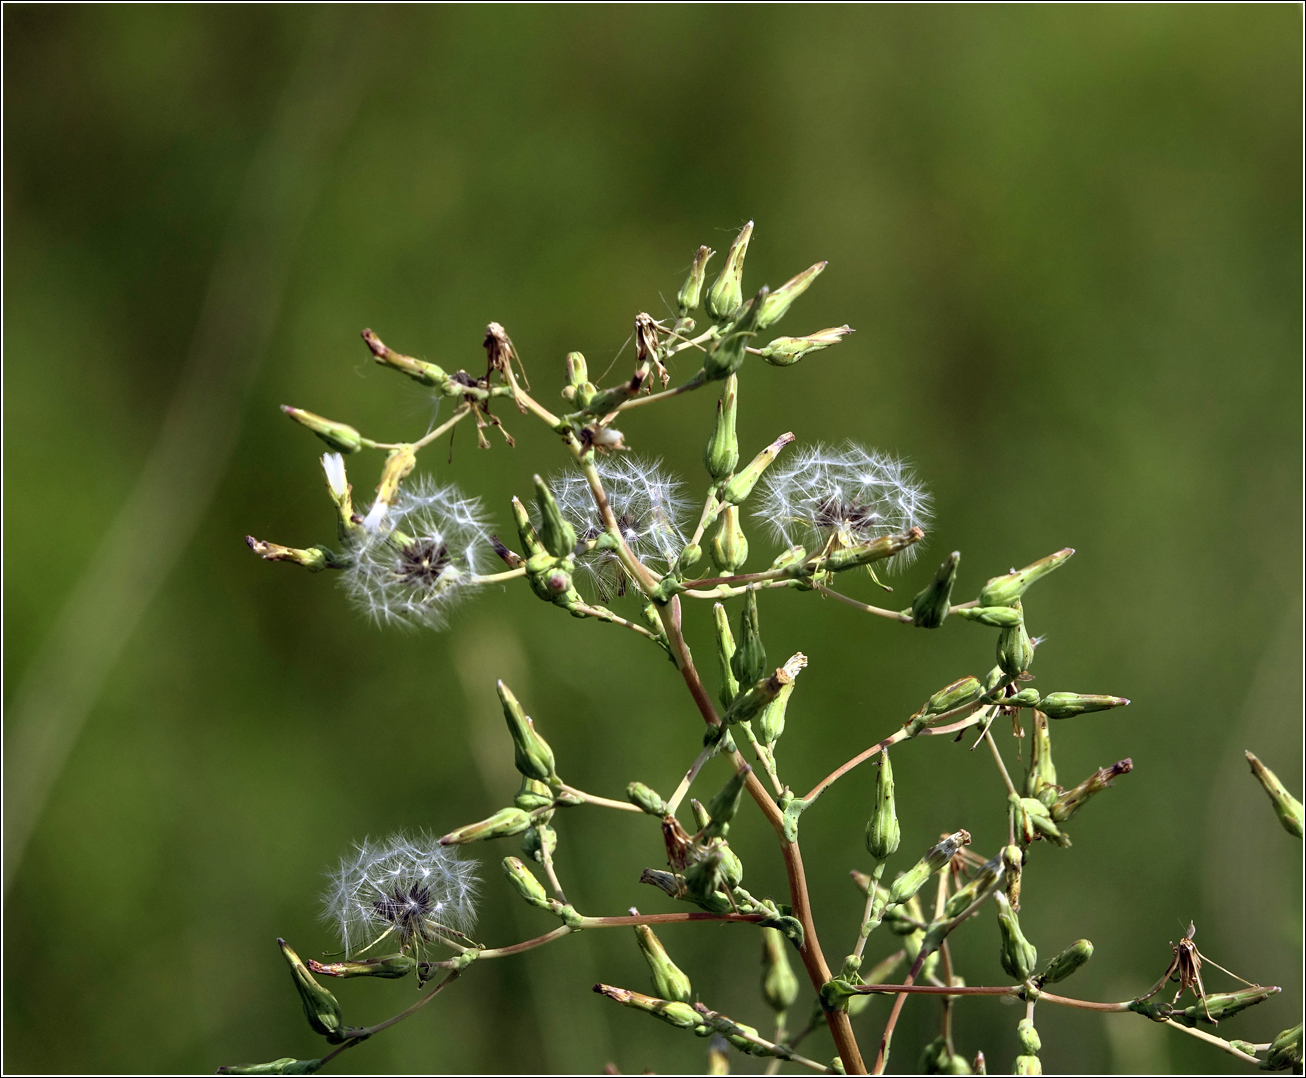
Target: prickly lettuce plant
{"points": [[609, 529]]}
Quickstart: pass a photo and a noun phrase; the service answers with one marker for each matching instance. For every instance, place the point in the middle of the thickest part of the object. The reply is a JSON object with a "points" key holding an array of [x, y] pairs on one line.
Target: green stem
{"points": [[892, 615]]}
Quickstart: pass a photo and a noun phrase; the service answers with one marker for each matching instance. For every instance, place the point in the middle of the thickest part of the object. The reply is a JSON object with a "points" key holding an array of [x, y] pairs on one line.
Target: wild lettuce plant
{"points": [[609, 529]]}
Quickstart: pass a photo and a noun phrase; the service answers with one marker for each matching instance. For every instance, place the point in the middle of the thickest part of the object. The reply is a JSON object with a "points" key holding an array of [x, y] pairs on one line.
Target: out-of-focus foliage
{"points": [[1068, 239]]}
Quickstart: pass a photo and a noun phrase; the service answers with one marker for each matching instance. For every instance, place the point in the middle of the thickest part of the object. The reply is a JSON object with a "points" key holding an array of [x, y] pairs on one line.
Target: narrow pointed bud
{"points": [[428, 374], [961, 692], [1211, 1009], [691, 292], [725, 653], [389, 967], [320, 1006], [557, 535], [339, 436], [673, 1012], [314, 559], [736, 492], [646, 798], [930, 607], [1074, 799], [731, 348], [669, 981], [751, 701], [533, 794], [1067, 962], [701, 815], [1030, 1042], [721, 457], [579, 388], [530, 539], [1042, 775], [730, 544], [986, 879], [911, 881], [509, 821], [779, 301], [1005, 590], [786, 351], [1287, 807], [524, 882], [531, 753], [1015, 652], [886, 546], [1066, 705], [779, 984], [727, 291], [725, 804], [999, 617], [1018, 955], [770, 722], [883, 833], [749, 662], [397, 466]]}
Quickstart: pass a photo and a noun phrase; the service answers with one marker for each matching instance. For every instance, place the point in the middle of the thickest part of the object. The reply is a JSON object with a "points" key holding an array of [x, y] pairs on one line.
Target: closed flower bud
{"points": [[320, 1006], [1018, 955], [741, 486], [531, 753], [749, 661], [314, 559], [725, 651], [727, 291], [533, 794], [539, 842], [646, 798], [730, 544], [701, 815], [770, 723], [1067, 962], [1000, 617], [703, 881], [786, 351], [723, 806], [1027, 1065], [986, 879], [524, 882], [509, 821], [530, 539], [669, 981], [1211, 1009], [779, 301], [961, 692], [1030, 1042], [748, 703], [1033, 821], [869, 552], [779, 985], [339, 436], [428, 374], [557, 535], [1024, 698], [1015, 652], [389, 967], [1074, 799], [1041, 779], [1285, 1050], [673, 1012], [1005, 590], [883, 833], [911, 881], [930, 607], [721, 456], [731, 349], [1065, 705], [1286, 807], [691, 292]]}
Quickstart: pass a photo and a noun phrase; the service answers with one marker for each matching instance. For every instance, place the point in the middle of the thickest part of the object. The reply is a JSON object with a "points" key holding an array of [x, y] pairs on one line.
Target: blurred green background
{"points": [[1069, 240]]}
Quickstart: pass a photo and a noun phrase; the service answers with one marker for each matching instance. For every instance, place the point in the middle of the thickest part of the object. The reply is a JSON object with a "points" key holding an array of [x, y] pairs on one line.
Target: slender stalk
{"points": [[635, 402], [370, 1030], [1209, 1038], [997, 758], [462, 411], [615, 619], [690, 776], [886, 1038], [1016, 991], [892, 615], [498, 578], [864, 933], [602, 802]]}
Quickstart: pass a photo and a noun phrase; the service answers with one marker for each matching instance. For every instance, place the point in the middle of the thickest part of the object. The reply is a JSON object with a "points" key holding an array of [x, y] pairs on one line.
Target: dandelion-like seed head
{"points": [[414, 889], [842, 495], [416, 561]]}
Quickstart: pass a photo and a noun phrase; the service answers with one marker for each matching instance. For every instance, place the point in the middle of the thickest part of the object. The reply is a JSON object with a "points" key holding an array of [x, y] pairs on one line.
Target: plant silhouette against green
{"points": [[611, 527]]}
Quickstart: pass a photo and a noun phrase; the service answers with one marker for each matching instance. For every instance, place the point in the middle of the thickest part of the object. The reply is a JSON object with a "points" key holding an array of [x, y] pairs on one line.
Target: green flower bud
{"points": [[285, 1065], [986, 879], [731, 348], [509, 821], [533, 794], [1024, 698], [701, 816], [1030, 1042], [1067, 962], [1074, 799], [525, 883], [577, 369], [993, 679], [1013, 862], [1065, 705], [314, 559], [730, 544], [1018, 955], [725, 651], [669, 981], [646, 798], [793, 556], [911, 881], [1285, 1050], [557, 535], [883, 833], [539, 842], [428, 374], [736, 491], [751, 701], [389, 967], [749, 660], [1005, 590], [930, 607], [1000, 617], [961, 692], [339, 436], [779, 301], [673, 1012], [727, 291], [692, 290], [771, 719], [934, 1059], [703, 881], [725, 804], [1034, 821], [886, 546], [1211, 1009], [531, 753], [1286, 807], [1015, 652], [732, 868], [779, 985], [530, 541], [1042, 775], [689, 557], [320, 1006], [1027, 1065], [721, 456], [786, 351]]}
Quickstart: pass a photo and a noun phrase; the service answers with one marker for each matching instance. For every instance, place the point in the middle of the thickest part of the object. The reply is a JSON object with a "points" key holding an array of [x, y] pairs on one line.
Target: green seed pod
{"points": [[557, 535], [509, 821], [285, 1065], [1065, 705], [721, 456], [525, 883], [725, 653], [1211, 1009], [886, 546], [727, 291], [770, 722], [530, 540], [779, 985], [749, 660], [320, 1006], [986, 879], [1015, 652], [1027, 1065], [1006, 590], [669, 981], [1042, 775], [1000, 617], [779, 301], [786, 351], [731, 348], [883, 833], [930, 607], [736, 491], [1024, 698], [1067, 962], [691, 292], [539, 842], [533, 795], [732, 868], [339, 436], [1018, 955], [961, 692], [725, 804], [531, 753], [911, 881], [730, 544], [1074, 799], [646, 798], [1286, 807], [1030, 1042], [1285, 1050]]}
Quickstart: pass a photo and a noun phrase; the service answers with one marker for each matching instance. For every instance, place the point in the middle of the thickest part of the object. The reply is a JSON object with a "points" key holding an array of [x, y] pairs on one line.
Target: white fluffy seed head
{"points": [[416, 561], [411, 887], [846, 494]]}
